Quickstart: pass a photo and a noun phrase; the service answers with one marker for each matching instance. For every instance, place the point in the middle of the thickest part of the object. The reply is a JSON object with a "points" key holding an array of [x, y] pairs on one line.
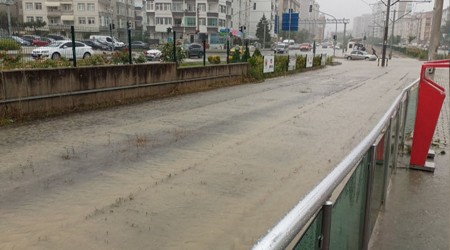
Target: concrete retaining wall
{"points": [[35, 92]]}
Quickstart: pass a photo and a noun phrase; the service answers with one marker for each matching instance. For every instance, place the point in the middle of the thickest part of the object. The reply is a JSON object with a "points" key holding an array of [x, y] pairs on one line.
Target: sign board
{"points": [[289, 21], [323, 62], [276, 28], [309, 61], [292, 63], [269, 64]]}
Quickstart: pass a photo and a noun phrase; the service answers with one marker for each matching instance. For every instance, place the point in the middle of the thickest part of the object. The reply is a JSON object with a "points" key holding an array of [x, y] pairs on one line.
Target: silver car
{"points": [[360, 55]]}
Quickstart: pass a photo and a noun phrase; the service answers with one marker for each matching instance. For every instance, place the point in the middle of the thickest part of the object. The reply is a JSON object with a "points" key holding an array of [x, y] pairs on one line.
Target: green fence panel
{"points": [[311, 238], [347, 219]]}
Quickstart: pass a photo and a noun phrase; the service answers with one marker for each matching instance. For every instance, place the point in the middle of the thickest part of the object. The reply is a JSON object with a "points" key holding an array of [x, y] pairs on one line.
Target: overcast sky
{"points": [[349, 9]]}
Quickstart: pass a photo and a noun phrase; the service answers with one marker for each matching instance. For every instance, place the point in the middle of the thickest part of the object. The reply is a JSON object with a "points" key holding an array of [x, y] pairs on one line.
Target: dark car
{"points": [[57, 37], [139, 45], [96, 45], [30, 38], [194, 49]]}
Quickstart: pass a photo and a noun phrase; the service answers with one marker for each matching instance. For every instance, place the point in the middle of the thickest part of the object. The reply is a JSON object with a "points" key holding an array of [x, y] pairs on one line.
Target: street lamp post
{"points": [[335, 30]]}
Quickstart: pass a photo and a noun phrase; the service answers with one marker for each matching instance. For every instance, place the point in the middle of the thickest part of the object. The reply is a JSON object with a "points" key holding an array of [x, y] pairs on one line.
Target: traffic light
{"points": [[310, 8], [169, 29], [254, 6], [111, 26], [129, 24], [334, 37], [240, 28]]}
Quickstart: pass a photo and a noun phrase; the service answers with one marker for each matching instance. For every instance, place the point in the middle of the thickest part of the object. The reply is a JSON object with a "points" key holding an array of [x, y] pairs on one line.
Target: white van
{"points": [[108, 40]]}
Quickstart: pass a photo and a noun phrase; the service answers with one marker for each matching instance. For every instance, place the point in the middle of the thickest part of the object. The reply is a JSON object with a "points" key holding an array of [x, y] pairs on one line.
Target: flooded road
{"points": [[210, 170]]}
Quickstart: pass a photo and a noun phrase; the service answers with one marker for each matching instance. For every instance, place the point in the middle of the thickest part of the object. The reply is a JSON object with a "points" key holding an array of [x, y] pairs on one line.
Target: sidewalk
{"points": [[416, 214]]}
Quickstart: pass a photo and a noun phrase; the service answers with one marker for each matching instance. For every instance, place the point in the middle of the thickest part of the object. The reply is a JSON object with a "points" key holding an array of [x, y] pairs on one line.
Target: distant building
{"points": [[362, 25]]}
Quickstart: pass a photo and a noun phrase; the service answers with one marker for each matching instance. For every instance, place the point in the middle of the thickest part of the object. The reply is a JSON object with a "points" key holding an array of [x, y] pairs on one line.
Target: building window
{"points": [[212, 22], [30, 19], [38, 6], [82, 20], [81, 7], [202, 7], [223, 9], [91, 7], [39, 19], [149, 6], [177, 6], [190, 21], [202, 21], [66, 7], [158, 6], [164, 20], [167, 6], [222, 23], [91, 20], [28, 6], [53, 20]]}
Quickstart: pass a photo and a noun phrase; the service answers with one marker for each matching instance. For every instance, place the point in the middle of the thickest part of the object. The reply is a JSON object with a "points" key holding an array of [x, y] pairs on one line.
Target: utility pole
{"points": [[386, 27], [392, 36], [435, 29], [344, 44]]}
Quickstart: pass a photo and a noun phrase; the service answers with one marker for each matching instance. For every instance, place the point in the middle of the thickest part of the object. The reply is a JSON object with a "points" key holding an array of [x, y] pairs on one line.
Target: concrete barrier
{"points": [[37, 92]]}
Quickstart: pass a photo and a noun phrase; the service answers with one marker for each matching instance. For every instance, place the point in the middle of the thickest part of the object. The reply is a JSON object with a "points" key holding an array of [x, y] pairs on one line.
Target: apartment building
{"points": [[87, 16]]}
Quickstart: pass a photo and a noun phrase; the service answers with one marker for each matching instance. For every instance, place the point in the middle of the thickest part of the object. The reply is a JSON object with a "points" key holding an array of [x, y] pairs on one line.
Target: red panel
{"points": [[430, 99]]}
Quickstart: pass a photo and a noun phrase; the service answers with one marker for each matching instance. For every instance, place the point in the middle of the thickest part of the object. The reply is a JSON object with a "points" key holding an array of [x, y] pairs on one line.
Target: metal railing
{"points": [[341, 211]]}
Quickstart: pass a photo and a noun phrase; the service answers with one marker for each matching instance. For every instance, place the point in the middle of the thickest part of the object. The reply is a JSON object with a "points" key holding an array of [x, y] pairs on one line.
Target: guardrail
{"points": [[341, 211]]}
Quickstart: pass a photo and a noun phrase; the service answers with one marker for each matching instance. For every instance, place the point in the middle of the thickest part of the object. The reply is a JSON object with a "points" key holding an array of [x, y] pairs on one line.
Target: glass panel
{"points": [[392, 146], [311, 238], [347, 219], [378, 182], [411, 114]]}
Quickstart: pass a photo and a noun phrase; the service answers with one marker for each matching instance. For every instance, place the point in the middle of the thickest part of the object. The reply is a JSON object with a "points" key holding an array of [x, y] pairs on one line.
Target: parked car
{"points": [[21, 41], [57, 37], [30, 38], [95, 45], [305, 47], [42, 41], [62, 48], [360, 55], [139, 45], [194, 49], [281, 48], [110, 41], [153, 54]]}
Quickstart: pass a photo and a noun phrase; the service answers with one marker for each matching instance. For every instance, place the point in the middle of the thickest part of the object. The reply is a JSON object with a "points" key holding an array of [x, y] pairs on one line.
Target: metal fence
{"points": [[354, 192]]}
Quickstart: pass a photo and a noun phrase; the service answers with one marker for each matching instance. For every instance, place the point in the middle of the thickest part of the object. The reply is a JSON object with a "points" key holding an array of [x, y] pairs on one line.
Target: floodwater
{"points": [[210, 170]]}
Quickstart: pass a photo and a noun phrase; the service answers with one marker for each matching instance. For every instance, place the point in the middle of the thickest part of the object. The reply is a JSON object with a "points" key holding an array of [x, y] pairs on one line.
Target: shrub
{"points": [[317, 60], [246, 54], [214, 59], [10, 61], [236, 56], [257, 52], [301, 62], [95, 60], [48, 63], [167, 53], [255, 69], [281, 64], [9, 44]]}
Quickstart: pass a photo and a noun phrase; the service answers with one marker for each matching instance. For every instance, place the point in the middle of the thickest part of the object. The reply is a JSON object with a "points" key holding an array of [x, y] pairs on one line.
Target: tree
{"points": [[411, 38], [35, 25], [263, 31]]}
